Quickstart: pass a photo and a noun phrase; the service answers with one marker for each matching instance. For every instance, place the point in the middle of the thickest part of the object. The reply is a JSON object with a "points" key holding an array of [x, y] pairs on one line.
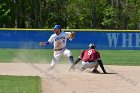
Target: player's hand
{"points": [[42, 43], [72, 67]]}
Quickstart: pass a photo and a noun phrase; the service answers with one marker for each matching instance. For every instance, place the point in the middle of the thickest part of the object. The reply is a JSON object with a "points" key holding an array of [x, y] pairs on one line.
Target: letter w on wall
{"points": [[113, 39]]}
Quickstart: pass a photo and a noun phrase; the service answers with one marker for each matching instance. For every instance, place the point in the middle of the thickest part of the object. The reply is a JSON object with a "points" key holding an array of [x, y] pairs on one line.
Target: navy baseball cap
{"points": [[57, 27]]}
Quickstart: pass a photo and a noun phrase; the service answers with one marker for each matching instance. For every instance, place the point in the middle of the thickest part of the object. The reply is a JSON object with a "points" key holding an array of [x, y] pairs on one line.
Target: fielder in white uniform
{"points": [[59, 40]]}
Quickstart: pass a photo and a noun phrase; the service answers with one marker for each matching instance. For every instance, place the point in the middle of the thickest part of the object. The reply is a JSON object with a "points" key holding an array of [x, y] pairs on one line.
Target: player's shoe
{"points": [[95, 71]]}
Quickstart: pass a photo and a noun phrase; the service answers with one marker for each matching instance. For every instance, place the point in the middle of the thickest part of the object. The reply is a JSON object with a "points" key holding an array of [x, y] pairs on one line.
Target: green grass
{"points": [[20, 84], [121, 57], [25, 55], [110, 57]]}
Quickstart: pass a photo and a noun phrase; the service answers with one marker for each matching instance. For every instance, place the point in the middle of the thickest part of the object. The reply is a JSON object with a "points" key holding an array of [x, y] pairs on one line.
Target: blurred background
{"points": [[73, 14], [113, 25]]}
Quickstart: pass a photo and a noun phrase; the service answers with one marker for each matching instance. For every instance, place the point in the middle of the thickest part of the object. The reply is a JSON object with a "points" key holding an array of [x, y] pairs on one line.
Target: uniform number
{"points": [[89, 52]]}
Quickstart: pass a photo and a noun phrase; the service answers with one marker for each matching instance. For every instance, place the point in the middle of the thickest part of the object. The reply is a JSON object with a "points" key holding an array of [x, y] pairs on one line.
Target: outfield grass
{"points": [[25, 55], [121, 57], [20, 84], [109, 57]]}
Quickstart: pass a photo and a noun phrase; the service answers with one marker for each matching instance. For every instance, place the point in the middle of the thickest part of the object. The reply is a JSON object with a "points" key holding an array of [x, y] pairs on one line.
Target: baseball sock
{"points": [[71, 59]]}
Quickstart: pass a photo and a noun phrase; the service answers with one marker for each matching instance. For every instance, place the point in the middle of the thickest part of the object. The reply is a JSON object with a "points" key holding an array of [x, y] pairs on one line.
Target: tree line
{"points": [[73, 14]]}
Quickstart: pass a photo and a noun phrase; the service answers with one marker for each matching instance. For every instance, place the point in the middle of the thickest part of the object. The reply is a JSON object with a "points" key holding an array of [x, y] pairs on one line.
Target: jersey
{"points": [[90, 55], [59, 41]]}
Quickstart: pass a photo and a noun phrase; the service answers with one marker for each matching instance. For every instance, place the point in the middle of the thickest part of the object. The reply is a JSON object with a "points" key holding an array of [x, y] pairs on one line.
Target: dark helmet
{"points": [[92, 46]]}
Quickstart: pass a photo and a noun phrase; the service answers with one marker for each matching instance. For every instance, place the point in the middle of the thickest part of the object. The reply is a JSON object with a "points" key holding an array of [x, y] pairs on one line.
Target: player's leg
{"points": [[89, 65], [68, 53], [56, 57], [84, 66], [95, 69]]}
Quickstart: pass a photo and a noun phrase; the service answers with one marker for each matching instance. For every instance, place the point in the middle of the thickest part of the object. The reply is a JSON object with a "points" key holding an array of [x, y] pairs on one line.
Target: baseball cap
{"points": [[57, 27]]}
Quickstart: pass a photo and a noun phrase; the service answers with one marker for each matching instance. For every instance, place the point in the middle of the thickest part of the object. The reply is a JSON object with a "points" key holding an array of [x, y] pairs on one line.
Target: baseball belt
{"points": [[58, 49]]}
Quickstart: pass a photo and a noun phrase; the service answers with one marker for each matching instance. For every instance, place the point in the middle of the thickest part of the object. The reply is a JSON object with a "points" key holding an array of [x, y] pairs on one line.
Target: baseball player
{"points": [[59, 40], [90, 59]]}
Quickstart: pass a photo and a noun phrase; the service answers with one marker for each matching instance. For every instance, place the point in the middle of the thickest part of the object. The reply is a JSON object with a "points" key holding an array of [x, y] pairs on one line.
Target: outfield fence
{"points": [[104, 39]]}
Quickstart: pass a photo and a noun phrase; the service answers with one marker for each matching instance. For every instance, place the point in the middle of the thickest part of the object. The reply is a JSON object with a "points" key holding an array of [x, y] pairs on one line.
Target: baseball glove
{"points": [[72, 35]]}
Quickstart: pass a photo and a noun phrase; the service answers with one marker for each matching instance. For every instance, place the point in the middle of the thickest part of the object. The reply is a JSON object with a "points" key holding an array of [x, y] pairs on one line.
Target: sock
{"points": [[71, 59]]}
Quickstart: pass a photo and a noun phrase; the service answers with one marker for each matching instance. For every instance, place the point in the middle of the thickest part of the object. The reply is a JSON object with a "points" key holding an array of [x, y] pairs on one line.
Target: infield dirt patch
{"points": [[122, 79]]}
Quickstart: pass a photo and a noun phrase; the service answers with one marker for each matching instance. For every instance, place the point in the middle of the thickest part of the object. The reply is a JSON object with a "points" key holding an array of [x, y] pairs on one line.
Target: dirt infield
{"points": [[122, 79]]}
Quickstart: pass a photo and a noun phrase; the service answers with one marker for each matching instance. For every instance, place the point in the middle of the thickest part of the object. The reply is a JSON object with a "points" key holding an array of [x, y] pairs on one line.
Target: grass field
{"points": [[109, 57], [20, 84]]}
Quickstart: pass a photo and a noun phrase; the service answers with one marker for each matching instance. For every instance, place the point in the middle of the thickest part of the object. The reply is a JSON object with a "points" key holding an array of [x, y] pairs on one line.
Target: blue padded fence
{"points": [[113, 40]]}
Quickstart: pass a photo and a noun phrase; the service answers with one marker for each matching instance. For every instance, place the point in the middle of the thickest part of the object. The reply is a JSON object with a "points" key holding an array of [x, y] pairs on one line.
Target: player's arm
{"points": [[44, 43], [101, 65], [51, 39], [100, 62], [77, 60], [73, 65]]}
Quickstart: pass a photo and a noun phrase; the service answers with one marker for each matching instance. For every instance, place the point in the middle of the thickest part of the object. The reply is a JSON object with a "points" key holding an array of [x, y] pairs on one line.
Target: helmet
{"points": [[57, 27], [92, 46]]}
